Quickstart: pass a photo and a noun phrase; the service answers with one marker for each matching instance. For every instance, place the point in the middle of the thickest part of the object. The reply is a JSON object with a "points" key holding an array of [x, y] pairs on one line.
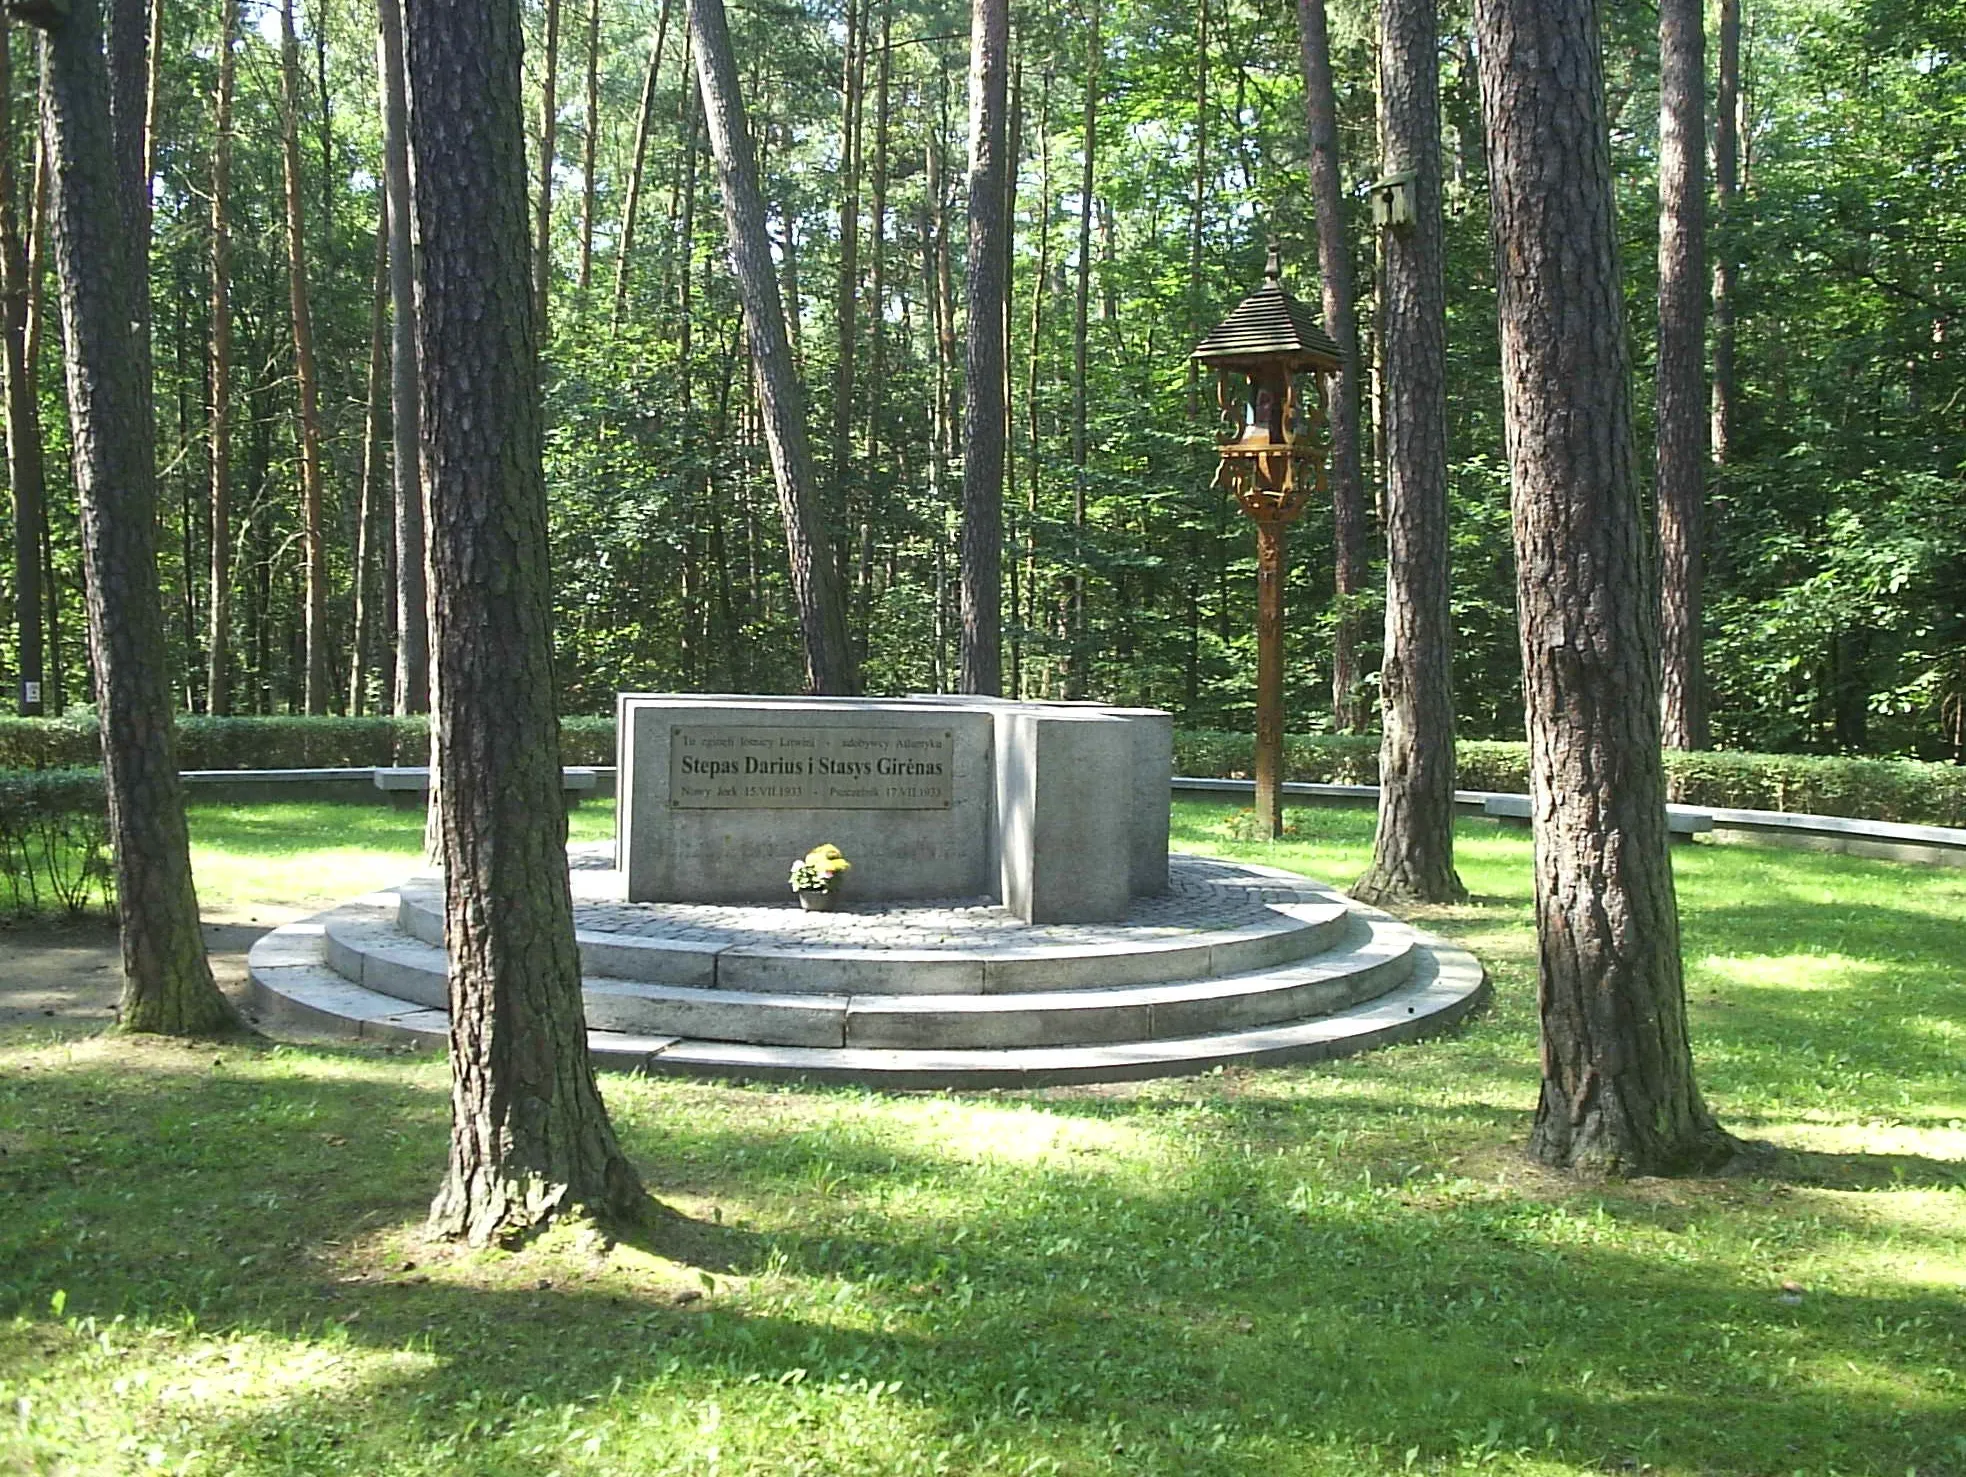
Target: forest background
{"points": [[1836, 555]]}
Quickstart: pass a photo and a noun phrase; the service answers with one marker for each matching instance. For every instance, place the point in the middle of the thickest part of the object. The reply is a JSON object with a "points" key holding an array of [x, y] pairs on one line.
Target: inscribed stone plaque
{"points": [[732, 767]]}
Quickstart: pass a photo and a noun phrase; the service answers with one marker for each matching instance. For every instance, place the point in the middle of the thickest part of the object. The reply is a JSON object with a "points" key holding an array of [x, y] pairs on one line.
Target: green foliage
{"points": [[1836, 603], [54, 841], [1875, 789], [49, 743], [284, 742], [1325, 758]]}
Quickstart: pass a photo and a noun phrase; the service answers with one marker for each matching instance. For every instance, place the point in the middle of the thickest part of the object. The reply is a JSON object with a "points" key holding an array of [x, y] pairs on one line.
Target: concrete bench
{"points": [[407, 785], [1682, 821], [272, 786], [1892, 841], [1305, 792]]}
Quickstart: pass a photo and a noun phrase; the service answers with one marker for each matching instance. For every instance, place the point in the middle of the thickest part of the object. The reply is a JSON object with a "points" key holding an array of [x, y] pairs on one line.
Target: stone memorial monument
{"points": [[1056, 810]]}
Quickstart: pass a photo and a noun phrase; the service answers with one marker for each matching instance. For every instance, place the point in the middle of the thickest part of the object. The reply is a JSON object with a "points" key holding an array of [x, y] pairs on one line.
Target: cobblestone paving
{"points": [[1204, 896]]}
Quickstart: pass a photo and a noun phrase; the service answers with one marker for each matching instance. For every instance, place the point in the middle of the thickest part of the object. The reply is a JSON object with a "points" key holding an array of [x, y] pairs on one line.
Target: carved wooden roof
{"points": [[1269, 324]]}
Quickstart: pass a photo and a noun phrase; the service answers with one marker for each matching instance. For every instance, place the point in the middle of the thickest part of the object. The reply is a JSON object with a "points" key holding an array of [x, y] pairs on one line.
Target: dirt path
{"points": [[63, 978]]}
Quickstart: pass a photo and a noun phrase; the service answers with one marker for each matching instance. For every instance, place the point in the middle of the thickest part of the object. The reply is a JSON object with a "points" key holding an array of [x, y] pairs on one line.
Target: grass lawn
{"points": [[211, 1259]]}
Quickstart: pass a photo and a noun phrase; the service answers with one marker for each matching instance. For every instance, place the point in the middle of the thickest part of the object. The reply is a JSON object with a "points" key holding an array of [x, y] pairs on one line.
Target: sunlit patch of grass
{"points": [[1787, 972], [299, 858], [1347, 1268]]}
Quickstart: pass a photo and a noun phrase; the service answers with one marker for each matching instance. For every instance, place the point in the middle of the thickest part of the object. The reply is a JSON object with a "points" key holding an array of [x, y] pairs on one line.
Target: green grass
{"points": [[211, 1260], [312, 856]]}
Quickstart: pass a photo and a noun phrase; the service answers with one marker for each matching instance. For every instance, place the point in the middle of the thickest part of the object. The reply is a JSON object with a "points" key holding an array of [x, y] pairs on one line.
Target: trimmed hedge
{"points": [[54, 841], [1909, 790], [1875, 789], [273, 743]]}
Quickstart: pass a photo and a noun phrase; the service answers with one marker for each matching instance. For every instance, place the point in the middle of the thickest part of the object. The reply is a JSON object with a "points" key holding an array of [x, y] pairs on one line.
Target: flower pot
{"points": [[818, 899]]}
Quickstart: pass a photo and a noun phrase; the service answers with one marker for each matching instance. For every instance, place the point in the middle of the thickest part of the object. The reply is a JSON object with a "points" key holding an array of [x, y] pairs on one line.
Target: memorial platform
{"points": [[1233, 964]]}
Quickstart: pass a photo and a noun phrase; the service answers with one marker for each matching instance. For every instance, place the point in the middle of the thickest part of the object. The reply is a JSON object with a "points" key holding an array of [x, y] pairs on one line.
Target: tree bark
{"points": [[26, 472], [1618, 1091], [1726, 186], [412, 694], [1413, 851], [1680, 390], [127, 45], [218, 643], [314, 536], [167, 984], [549, 122], [530, 1138], [1334, 254], [983, 418], [815, 573], [644, 128]]}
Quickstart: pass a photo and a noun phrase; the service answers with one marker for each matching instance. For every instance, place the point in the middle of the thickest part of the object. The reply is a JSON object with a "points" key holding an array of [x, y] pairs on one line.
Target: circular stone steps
{"points": [[1236, 963]]}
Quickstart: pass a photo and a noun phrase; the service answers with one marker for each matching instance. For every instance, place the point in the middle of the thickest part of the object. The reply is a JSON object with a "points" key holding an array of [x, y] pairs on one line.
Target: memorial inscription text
{"points": [[725, 767]]}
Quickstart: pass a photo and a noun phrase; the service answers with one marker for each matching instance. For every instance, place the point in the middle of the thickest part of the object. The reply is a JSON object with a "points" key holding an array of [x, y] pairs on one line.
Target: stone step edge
{"points": [[1373, 941], [1377, 958], [1295, 935], [1447, 984]]}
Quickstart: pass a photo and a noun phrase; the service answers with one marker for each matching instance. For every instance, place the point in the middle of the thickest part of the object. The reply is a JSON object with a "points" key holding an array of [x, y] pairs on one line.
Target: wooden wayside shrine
{"points": [[1273, 461]]}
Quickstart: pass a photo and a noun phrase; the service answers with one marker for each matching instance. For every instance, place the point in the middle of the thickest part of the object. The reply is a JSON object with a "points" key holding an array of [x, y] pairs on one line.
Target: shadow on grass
{"points": [[1190, 1298], [1816, 1169]]}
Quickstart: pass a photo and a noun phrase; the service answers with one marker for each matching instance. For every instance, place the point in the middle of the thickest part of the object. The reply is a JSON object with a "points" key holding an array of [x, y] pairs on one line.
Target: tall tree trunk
{"points": [[644, 128], [686, 245], [1681, 392], [1726, 187], [1013, 165], [127, 45], [1024, 618], [218, 636], [815, 574], [153, 89], [314, 535], [26, 474], [1196, 203], [589, 143], [1413, 851], [530, 1138], [549, 123], [1334, 254], [412, 688], [37, 242], [846, 295], [1618, 1090], [374, 461], [983, 418], [938, 441], [167, 985], [877, 247], [1075, 635]]}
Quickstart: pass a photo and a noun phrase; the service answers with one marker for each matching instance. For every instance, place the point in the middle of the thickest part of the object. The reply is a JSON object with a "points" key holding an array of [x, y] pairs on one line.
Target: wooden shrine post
{"points": [[1273, 462]]}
